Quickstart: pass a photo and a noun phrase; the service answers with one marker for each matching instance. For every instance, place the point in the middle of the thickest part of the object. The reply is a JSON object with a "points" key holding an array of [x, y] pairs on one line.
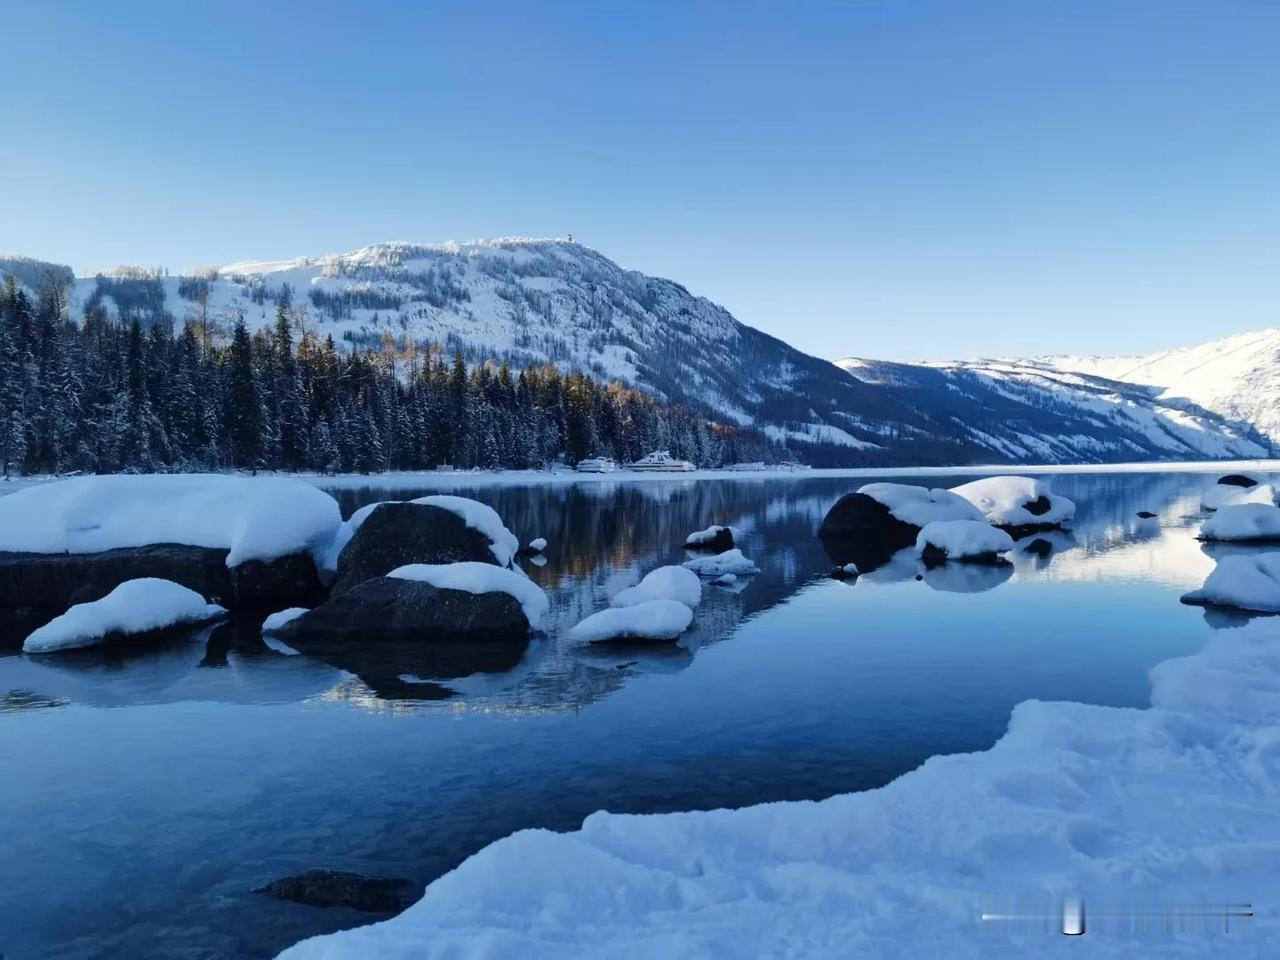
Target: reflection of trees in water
{"points": [[602, 538], [17, 701]]}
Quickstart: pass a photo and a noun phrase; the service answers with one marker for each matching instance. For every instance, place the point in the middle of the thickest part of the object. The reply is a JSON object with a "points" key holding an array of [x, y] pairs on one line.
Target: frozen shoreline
{"points": [[419, 479], [1176, 804]]}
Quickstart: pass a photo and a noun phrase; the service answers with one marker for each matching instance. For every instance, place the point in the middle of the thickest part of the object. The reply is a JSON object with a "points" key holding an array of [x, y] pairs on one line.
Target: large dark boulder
{"points": [[860, 530], [338, 888], [57, 581], [395, 534], [391, 609], [289, 581], [1237, 480]]}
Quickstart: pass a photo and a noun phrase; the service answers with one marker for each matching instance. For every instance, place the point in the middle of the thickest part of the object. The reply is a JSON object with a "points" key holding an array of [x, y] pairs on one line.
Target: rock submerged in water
{"points": [[58, 581], [339, 888], [398, 533], [391, 608]]}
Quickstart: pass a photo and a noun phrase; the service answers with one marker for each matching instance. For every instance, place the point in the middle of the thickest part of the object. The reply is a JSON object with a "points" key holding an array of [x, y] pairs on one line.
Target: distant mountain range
{"points": [[534, 301]]}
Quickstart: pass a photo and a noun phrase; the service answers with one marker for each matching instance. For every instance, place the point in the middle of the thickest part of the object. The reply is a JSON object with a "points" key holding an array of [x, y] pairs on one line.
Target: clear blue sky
{"points": [[884, 178]]}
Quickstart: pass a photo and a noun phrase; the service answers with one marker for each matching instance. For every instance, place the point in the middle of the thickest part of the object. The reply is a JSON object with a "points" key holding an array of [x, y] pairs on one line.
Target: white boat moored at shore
{"points": [[661, 461], [597, 465]]}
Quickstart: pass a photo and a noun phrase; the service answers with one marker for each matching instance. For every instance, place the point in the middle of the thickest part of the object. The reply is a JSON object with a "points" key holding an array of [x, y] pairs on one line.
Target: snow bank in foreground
{"points": [[255, 518], [1178, 803], [1244, 521], [480, 517], [475, 577], [920, 505], [279, 619], [650, 620], [963, 539], [1003, 500], [731, 561], [665, 583], [136, 606], [1250, 581]]}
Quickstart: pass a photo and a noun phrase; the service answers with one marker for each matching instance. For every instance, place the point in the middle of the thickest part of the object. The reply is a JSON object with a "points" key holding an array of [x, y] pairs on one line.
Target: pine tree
{"points": [[245, 407]]}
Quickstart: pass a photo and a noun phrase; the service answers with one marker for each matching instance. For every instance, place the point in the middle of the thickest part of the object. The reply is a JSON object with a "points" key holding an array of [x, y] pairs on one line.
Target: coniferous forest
{"points": [[92, 395]]}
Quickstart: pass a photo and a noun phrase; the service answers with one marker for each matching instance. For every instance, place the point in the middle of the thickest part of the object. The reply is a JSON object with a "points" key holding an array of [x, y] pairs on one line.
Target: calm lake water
{"points": [[147, 793]]}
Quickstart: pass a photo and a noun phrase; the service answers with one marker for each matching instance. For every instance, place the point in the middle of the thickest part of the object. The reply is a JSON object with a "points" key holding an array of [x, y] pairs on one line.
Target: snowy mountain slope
{"points": [[1034, 412], [555, 300], [1237, 377], [535, 301]]}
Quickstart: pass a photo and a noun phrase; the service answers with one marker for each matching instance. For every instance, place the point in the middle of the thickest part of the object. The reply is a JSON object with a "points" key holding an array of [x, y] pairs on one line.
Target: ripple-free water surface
{"points": [[146, 794]]}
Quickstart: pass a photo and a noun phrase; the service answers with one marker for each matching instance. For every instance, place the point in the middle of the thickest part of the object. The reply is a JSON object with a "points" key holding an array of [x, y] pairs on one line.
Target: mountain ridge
{"points": [[538, 300]]}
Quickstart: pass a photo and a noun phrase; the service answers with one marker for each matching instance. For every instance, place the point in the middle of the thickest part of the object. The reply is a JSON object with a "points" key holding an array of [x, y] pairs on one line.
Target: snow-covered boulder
{"points": [[715, 538], [480, 517], [866, 528], [1244, 521], [1237, 488], [894, 510], [235, 539], [429, 603], [134, 607], [252, 518], [280, 618], [664, 583], [1020, 505], [1247, 581], [537, 545], [653, 621], [973, 541], [396, 533], [731, 561]]}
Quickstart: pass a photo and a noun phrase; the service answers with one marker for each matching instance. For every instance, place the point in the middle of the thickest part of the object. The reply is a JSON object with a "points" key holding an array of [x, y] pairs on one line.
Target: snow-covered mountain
{"points": [[1237, 377], [555, 300], [1040, 411]]}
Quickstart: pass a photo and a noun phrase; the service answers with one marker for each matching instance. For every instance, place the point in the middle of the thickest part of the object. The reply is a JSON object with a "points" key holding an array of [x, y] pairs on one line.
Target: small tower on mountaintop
{"points": [[568, 238]]}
